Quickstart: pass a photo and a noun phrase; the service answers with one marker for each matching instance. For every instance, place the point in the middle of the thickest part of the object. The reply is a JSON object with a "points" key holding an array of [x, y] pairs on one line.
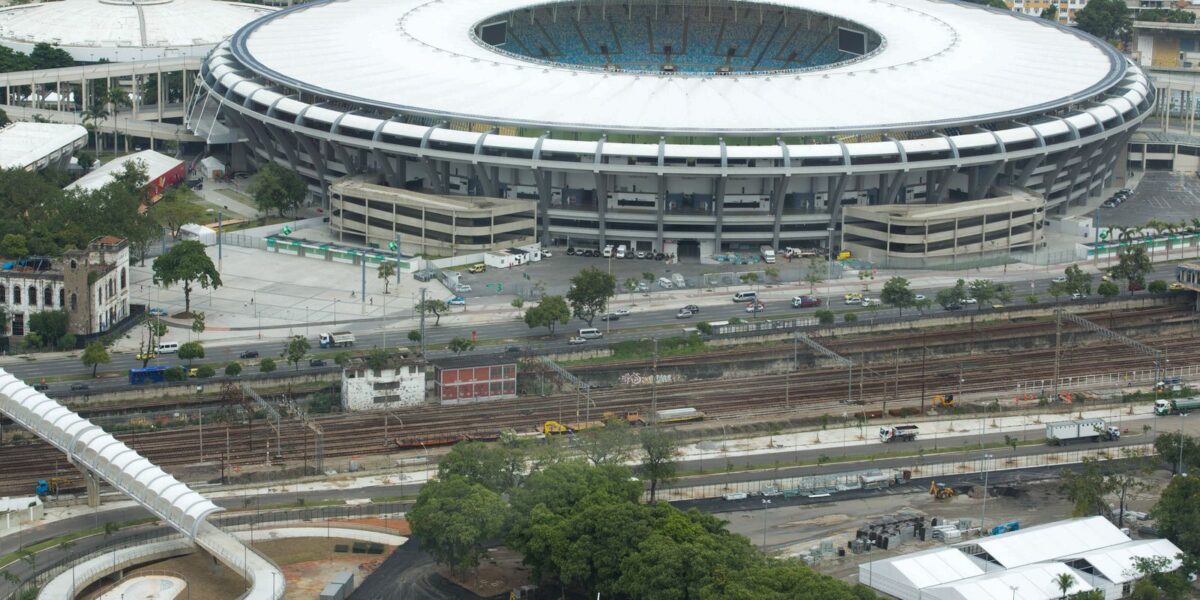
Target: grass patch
{"points": [[299, 504], [12, 557], [389, 499]]}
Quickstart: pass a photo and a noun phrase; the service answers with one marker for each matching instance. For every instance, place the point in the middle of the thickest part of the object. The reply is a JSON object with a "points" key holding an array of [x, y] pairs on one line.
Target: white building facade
{"points": [[399, 382]]}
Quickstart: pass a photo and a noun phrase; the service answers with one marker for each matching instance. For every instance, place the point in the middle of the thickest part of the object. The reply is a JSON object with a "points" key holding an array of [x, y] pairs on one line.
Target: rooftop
{"points": [[429, 201], [93, 29], [157, 165], [22, 145], [943, 64]]}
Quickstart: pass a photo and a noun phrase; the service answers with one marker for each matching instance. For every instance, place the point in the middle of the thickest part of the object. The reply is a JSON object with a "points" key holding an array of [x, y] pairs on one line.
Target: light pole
{"points": [[1179, 469], [829, 267], [1014, 591], [983, 512]]}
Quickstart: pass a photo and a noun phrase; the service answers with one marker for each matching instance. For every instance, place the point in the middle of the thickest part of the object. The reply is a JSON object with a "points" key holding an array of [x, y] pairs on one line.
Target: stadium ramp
{"points": [[89, 447]]}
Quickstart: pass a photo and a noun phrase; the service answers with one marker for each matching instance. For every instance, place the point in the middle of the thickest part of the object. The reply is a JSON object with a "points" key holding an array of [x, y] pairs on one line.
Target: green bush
{"points": [[704, 327], [205, 371], [825, 317], [849, 318], [267, 365], [233, 369], [175, 374], [1158, 286]]}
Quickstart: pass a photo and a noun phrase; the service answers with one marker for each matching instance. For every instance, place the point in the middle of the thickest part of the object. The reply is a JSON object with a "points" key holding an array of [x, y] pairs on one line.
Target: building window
{"points": [[74, 265], [16, 294], [3, 295], [74, 304], [48, 298], [122, 277], [62, 294], [32, 296]]}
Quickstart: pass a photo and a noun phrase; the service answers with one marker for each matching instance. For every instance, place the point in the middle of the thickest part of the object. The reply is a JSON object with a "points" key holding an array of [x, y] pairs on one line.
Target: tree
{"points": [[549, 313], [385, 272], [414, 336], [897, 293], [45, 56], [824, 316], [1064, 581], [1156, 571], [49, 325], [983, 291], [658, 459], [1108, 289], [454, 520], [1031, 299], [459, 344], [1050, 13], [1158, 286], [1105, 19], [1058, 290], [276, 188], [233, 369], [590, 290], [187, 262], [864, 276], [952, 296], [477, 464], [297, 349], [608, 445], [1177, 514], [631, 285], [749, 278], [190, 351], [267, 365], [1087, 489], [205, 371], [518, 303], [1133, 265], [772, 273], [85, 159], [1078, 282], [437, 307], [1166, 446], [13, 245], [95, 355], [177, 208]]}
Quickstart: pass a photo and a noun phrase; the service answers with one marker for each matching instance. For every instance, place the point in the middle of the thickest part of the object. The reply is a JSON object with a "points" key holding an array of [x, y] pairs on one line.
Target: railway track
{"points": [[809, 392]]}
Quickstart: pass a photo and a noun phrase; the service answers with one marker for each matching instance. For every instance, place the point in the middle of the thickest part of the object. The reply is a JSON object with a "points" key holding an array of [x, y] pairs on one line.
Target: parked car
{"points": [[1176, 286], [640, 254], [462, 288], [423, 275], [457, 301], [665, 283], [643, 287], [41, 387], [547, 254], [576, 340], [79, 387], [316, 362], [248, 354], [157, 312], [693, 308], [477, 268]]}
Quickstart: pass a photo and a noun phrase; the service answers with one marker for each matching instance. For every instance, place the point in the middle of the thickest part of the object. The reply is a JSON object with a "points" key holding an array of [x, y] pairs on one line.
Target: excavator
{"points": [[941, 491], [943, 401]]}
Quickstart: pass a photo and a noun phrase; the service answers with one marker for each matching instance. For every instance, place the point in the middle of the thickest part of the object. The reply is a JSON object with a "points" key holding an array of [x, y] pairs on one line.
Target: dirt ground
{"points": [[308, 564], [500, 571]]}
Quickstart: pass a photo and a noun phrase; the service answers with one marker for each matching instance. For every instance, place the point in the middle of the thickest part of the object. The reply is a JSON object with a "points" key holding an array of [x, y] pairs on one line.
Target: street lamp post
{"points": [[829, 267], [1179, 468], [983, 512], [766, 503]]}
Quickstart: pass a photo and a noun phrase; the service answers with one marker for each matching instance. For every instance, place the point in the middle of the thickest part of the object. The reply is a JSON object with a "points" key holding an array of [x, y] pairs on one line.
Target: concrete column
{"points": [[660, 199], [778, 193], [161, 94], [719, 199], [601, 195]]}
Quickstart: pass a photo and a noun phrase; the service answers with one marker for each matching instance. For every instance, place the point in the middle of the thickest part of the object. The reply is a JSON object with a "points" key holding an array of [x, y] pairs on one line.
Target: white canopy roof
{"points": [[1031, 582], [157, 165], [1116, 563], [944, 63], [1051, 541], [23, 145]]}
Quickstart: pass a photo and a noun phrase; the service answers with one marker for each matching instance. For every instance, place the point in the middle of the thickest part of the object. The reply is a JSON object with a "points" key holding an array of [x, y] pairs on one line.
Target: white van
{"points": [[745, 297], [168, 347], [621, 251], [590, 333], [607, 251]]}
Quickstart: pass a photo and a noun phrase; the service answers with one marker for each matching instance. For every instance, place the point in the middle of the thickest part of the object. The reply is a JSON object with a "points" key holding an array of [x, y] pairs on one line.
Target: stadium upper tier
{"points": [[711, 37], [942, 64]]}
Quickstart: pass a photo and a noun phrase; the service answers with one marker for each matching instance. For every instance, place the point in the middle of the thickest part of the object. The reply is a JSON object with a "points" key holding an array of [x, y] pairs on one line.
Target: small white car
{"points": [[642, 287], [970, 301], [462, 288], [1060, 279], [684, 314], [621, 312], [756, 307], [665, 283], [576, 340], [919, 297], [1078, 296]]}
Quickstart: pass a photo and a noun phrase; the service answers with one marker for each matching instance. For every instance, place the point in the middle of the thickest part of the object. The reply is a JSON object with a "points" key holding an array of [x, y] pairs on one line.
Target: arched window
{"points": [[122, 277], [48, 297], [62, 294], [32, 296], [74, 265], [16, 294], [3, 295], [74, 304]]}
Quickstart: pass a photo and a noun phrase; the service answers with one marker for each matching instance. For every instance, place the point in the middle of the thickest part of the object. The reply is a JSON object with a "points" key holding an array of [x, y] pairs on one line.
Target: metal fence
{"points": [[47, 570], [1115, 379]]}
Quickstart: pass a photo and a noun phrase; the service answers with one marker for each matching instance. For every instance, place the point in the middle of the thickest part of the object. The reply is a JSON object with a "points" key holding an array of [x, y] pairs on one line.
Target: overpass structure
{"points": [[99, 454]]}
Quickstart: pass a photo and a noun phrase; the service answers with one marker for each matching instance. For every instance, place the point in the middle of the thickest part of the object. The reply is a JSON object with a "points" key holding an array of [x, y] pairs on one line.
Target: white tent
{"points": [[212, 168], [1030, 582]]}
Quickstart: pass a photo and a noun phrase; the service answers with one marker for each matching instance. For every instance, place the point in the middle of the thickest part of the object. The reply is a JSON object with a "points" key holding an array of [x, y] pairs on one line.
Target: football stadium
{"points": [[910, 132]]}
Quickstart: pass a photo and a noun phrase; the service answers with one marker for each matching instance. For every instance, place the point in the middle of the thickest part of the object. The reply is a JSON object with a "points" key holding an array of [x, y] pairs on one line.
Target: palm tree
{"points": [[1064, 581]]}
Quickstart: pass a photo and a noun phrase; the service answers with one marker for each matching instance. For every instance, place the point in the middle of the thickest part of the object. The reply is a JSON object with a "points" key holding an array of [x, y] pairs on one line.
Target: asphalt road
{"points": [[493, 337]]}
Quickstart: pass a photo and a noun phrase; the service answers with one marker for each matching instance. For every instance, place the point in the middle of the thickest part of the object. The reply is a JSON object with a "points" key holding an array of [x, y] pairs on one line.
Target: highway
{"points": [[495, 337]]}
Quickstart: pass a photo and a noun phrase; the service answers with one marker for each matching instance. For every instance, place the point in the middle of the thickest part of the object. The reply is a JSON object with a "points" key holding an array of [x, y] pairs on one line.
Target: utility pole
{"points": [[362, 301], [654, 387], [1057, 353], [923, 348], [422, 307]]}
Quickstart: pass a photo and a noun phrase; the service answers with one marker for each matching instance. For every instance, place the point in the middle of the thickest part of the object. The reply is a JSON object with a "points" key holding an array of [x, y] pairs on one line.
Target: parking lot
{"points": [[1160, 195]]}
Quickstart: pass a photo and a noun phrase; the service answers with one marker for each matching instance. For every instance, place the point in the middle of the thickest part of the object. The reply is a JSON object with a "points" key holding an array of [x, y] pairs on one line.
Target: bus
{"points": [[156, 374]]}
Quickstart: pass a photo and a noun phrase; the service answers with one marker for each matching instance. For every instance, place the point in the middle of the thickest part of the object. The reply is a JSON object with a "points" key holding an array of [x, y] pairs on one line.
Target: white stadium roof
{"points": [[943, 64], [125, 29], [32, 145]]}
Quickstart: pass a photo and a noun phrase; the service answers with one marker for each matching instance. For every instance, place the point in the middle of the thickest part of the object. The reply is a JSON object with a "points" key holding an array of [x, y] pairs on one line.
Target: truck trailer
{"points": [[1177, 406], [1082, 430], [337, 339], [898, 433]]}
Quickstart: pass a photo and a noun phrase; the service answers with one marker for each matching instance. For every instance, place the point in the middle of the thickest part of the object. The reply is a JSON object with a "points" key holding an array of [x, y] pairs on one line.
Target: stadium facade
{"points": [[688, 127]]}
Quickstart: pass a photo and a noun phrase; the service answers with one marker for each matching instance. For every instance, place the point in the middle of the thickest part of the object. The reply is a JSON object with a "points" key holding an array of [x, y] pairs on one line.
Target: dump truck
{"points": [[1080, 430], [898, 433], [336, 339], [1177, 406]]}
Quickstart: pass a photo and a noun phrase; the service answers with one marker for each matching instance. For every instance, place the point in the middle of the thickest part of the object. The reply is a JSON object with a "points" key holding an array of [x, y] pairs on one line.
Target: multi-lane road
{"points": [[500, 336]]}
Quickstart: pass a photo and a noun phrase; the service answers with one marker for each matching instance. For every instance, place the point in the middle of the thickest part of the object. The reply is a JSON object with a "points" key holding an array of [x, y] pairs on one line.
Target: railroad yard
{"points": [[743, 388]]}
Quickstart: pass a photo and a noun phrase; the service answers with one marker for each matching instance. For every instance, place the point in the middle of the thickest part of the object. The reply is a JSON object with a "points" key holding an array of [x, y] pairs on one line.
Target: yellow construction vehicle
{"points": [[941, 491], [554, 427], [943, 401]]}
